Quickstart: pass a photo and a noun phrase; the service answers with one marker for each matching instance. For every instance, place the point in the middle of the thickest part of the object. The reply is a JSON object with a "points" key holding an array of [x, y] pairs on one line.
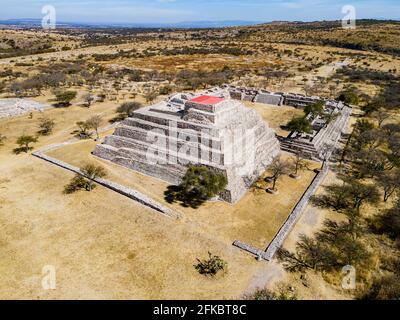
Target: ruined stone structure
{"points": [[324, 136], [16, 107], [272, 98], [207, 129], [254, 95]]}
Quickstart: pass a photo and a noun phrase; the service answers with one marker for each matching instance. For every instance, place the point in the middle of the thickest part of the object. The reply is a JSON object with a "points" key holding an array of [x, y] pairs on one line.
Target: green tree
{"points": [[317, 109], [278, 168], [389, 222], [300, 125], [83, 132], [92, 172], [363, 125], [203, 183], [381, 116], [390, 183], [330, 250], [349, 96], [24, 142], [198, 185], [310, 254], [85, 180], [64, 98], [127, 109], [360, 193], [352, 194]]}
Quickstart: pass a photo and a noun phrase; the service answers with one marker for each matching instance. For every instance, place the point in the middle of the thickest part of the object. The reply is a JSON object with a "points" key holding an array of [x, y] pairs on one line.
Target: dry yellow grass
{"points": [[104, 245], [255, 219], [276, 116]]}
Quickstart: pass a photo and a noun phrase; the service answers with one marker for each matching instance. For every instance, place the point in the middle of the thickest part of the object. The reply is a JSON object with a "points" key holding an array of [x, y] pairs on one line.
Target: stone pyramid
{"points": [[164, 139]]}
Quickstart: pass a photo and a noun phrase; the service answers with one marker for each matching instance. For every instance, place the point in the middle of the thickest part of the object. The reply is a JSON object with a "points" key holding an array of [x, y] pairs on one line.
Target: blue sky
{"points": [[161, 11]]}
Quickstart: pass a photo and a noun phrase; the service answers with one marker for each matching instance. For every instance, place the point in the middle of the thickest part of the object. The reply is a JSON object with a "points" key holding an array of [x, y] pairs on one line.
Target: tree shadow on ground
{"points": [[59, 105], [22, 150], [175, 194], [117, 118]]}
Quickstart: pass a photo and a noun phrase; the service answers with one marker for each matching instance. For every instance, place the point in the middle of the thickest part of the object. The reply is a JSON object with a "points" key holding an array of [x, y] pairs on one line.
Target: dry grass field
{"points": [[107, 246]]}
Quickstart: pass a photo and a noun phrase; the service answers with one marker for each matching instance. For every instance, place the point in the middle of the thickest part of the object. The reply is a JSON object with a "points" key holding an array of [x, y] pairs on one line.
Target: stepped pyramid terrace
{"points": [[209, 129]]}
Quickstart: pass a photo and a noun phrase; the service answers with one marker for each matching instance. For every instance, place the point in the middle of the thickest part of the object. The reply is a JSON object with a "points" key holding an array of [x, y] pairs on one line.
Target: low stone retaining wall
{"points": [[123, 190], [295, 215], [284, 231], [250, 249]]}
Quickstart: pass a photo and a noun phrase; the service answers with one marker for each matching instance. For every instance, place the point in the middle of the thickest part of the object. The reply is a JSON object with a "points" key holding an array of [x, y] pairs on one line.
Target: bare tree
{"points": [[298, 164], [278, 168], [88, 98], [326, 152], [94, 123], [381, 115], [151, 96], [390, 182]]}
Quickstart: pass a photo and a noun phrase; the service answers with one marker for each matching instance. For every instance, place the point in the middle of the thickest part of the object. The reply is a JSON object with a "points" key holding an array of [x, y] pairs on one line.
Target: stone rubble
{"points": [[312, 146], [15, 107]]}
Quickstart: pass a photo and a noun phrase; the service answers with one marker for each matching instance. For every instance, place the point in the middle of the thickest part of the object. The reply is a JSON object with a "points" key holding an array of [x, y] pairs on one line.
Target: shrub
{"points": [[46, 126], [88, 98], [151, 96], [77, 183], [210, 266], [64, 98], [282, 292], [384, 288], [85, 180], [165, 90]]}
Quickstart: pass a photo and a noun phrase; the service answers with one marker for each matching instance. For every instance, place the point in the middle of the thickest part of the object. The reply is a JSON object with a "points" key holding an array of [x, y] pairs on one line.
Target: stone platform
{"points": [[208, 129]]}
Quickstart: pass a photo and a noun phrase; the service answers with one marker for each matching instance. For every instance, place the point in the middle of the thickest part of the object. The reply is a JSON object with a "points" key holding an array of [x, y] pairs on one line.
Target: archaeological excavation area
{"points": [[251, 216], [214, 129]]}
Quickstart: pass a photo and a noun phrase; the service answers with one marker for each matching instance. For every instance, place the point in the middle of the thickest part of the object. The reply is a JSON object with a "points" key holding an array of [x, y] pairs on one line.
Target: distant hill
{"points": [[33, 23]]}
